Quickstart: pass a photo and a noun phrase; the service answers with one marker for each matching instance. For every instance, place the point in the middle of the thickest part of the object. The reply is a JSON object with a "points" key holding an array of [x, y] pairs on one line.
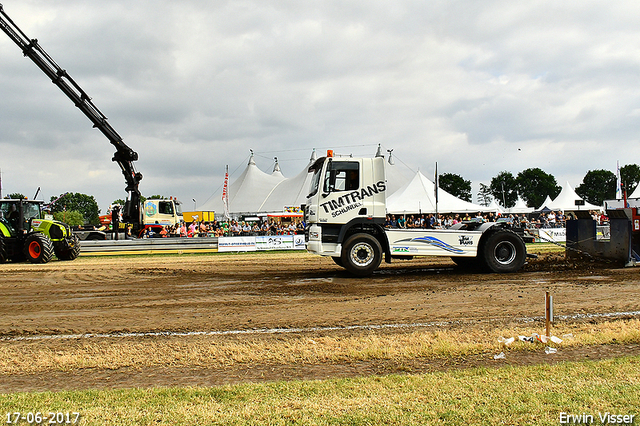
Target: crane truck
{"points": [[124, 156], [345, 218]]}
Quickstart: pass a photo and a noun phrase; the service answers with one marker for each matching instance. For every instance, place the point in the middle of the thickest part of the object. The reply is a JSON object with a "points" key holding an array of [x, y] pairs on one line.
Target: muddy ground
{"points": [[143, 294]]}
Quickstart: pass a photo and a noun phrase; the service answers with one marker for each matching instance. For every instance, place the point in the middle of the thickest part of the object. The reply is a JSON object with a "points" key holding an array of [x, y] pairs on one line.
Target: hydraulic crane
{"points": [[124, 155]]}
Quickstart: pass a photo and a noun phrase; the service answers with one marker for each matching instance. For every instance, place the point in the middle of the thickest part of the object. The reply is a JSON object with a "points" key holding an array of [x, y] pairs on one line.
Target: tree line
{"points": [[533, 185]]}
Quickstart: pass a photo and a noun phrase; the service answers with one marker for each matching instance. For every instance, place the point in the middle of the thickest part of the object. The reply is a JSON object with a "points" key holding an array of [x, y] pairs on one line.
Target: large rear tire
{"points": [[38, 248], [361, 254], [503, 252], [3, 250], [70, 249]]}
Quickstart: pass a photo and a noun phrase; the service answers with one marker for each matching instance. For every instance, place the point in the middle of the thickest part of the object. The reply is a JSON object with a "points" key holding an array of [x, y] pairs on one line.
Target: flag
{"points": [[225, 194], [618, 182]]}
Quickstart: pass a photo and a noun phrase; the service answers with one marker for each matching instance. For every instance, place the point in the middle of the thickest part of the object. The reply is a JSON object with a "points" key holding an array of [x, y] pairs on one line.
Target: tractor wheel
{"points": [[503, 251], [38, 248], [338, 260], [361, 254], [3, 250], [70, 249]]}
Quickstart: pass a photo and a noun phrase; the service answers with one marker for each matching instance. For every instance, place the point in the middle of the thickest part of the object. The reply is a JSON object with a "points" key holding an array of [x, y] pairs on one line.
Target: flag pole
{"points": [[435, 189]]}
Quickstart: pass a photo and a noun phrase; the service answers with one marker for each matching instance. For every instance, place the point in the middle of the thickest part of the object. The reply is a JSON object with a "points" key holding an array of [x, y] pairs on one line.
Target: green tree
{"points": [[597, 186], [85, 204], [455, 185], [158, 197], [484, 195], [534, 185], [70, 217], [504, 188], [15, 196], [630, 177]]}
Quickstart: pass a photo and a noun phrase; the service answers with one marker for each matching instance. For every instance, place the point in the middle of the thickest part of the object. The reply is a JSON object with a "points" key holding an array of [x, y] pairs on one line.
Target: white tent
{"points": [[545, 204], [289, 192], [635, 193], [418, 196], [566, 200], [247, 193], [520, 207], [494, 206]]}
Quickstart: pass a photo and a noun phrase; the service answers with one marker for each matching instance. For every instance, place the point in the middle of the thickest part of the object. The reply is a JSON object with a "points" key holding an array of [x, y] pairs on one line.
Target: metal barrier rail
{"points": [[168, 245]]}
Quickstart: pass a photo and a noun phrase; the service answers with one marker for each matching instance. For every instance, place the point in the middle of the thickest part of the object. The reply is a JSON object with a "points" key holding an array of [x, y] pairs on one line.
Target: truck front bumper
{"points": [[316, 246]]}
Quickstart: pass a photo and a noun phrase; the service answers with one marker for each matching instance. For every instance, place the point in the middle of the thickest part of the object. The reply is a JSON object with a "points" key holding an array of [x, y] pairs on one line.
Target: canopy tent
{"points": [[520, 207], [418, 196], [248, 191], [289, 192], [569, 200], [545, 204], [635, 193], [495, 207]]}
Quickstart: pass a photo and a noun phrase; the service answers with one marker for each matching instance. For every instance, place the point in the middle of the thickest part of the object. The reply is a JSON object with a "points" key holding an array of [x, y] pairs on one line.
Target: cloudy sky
{"points": [[192, 86]]}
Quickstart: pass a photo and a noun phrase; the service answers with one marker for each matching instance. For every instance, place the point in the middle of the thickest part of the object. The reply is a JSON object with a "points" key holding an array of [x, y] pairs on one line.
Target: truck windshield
{"points": [[316, 169]]}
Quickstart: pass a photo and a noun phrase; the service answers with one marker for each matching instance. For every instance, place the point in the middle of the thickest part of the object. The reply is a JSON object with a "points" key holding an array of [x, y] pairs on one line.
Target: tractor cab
{"points": [[17, 215]]}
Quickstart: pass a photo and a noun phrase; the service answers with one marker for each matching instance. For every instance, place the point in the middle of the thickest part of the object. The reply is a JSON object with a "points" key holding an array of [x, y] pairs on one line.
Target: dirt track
{"points": [[282, 290]]}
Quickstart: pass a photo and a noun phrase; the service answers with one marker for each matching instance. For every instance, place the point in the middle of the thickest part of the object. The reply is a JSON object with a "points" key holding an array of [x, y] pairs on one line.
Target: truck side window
{"points": [[342, 176]]}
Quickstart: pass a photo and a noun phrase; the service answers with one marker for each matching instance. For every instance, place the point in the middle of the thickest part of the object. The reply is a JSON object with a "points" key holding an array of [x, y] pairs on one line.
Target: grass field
{"points": [[525, 395], [506, 395]]}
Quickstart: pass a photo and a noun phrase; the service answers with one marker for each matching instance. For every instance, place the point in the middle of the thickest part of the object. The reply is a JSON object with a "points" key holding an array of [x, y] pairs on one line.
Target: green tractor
{"points": [[25, 235]]}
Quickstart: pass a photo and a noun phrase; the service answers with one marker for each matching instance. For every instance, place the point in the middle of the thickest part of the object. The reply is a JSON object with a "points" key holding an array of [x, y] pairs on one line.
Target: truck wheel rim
{"points": [[34, 249], [505, 252], [362, 254]]}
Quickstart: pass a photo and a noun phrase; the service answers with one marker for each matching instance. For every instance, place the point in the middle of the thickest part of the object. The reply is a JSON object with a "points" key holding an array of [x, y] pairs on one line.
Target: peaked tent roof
{"points": [[494, 206], [417, 196], [545, 204], [248, 191], [520, 207], [566, 200], [635, 193], [289, 192]]}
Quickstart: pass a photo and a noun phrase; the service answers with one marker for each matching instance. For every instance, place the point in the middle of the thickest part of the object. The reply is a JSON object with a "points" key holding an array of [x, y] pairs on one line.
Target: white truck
{"points": [[345, 218]]}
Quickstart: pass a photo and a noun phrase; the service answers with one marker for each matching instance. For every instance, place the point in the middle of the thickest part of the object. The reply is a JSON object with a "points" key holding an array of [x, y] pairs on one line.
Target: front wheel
{"points": [[38, 248], [361, 254], [504, 251], [68, 249]]}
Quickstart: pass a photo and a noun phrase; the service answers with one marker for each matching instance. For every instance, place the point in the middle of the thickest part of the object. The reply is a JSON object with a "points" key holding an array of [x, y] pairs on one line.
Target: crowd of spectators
{"points": [[551, 219], [232, 228]]}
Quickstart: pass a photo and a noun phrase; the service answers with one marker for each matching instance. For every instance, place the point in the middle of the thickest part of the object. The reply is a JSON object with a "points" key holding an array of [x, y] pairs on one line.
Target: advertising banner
{"points": [[236, 244], [267, 242], [558, 235], [280, 242]]}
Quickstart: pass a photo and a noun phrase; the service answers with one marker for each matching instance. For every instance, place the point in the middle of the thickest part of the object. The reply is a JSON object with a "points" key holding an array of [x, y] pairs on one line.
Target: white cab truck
{"points": [[346, 213]]}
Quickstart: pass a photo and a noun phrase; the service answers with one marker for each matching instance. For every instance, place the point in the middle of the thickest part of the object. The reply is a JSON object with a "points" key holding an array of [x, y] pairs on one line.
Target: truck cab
{"points": [[345, 194], [346, 212]]}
